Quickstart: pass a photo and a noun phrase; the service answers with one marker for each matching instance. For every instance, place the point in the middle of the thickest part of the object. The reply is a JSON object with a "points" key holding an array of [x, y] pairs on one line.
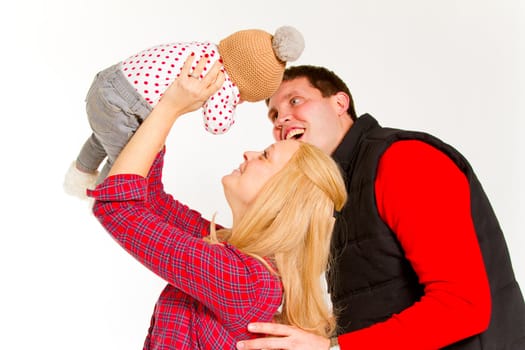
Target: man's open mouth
{"points": [[295, 134]]}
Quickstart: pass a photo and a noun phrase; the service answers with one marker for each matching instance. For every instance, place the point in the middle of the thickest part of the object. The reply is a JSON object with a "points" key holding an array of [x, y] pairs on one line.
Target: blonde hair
{"points": [[291, 222]]}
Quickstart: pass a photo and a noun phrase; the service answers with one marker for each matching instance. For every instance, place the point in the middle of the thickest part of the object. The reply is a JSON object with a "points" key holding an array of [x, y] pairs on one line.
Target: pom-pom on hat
{"points": [[255, 60]]}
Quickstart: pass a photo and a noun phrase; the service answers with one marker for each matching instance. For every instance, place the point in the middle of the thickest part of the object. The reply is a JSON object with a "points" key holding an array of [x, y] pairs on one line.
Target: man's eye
{"points": [[294, 101]]}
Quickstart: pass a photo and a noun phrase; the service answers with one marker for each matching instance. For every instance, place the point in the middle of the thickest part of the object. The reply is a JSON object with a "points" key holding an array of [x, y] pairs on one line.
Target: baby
{"points": [[123, 95]]}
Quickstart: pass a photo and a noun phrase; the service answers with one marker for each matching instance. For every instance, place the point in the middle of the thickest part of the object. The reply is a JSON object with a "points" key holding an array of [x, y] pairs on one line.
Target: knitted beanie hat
{"points": [[255, 60]]}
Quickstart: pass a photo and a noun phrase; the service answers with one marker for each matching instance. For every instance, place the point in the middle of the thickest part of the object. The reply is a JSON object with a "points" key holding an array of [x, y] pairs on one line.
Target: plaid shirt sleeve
{"points": [[219, 276], [169, 209]]}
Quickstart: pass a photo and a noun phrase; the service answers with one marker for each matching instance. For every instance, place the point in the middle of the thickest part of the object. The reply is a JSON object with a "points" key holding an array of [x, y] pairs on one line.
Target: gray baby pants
{"points": [[115, 111]]}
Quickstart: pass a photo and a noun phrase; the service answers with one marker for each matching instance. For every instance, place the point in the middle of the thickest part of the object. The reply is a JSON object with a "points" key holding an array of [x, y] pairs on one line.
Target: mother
{"points": [[282, 201]]}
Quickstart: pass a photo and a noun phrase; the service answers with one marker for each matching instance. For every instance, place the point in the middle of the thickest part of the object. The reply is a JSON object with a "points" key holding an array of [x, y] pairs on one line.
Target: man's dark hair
{"points": [[324, 80]]}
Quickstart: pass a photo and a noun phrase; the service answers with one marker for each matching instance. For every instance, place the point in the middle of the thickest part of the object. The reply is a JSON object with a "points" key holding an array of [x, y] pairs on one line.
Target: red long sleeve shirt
{"points": [[425, 199], [213, 291]]}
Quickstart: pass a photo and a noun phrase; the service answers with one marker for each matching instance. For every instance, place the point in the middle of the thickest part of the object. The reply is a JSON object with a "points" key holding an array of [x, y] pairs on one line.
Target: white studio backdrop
{"points": [[450, 68]]}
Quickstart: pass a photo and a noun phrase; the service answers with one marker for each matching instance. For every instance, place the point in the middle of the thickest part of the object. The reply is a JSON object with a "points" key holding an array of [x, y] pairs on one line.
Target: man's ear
{"points": [[342, 101]]}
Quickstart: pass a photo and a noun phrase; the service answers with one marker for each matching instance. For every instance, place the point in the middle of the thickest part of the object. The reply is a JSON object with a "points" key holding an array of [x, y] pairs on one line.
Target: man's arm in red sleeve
{"points": [[425, 199]]}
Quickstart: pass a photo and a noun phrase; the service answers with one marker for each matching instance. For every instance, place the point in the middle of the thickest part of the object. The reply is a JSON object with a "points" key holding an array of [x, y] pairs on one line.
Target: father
{"points": [[418, 258]]}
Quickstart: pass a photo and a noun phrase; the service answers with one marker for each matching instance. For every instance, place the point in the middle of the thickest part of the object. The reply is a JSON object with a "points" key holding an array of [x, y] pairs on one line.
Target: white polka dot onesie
{"points": [[151, 71]]}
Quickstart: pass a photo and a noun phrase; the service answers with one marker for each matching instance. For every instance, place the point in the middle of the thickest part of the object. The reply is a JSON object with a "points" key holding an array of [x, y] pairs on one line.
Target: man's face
{"points": [[299, 111]]}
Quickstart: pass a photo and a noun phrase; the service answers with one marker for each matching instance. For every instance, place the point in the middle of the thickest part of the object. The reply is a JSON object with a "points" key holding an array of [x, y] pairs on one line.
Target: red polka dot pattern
{"points": [[151, 71]]}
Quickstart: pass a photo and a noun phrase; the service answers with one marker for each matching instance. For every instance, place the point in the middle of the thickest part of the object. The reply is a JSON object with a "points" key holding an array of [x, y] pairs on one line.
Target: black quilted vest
{"points": [[370, 279]]}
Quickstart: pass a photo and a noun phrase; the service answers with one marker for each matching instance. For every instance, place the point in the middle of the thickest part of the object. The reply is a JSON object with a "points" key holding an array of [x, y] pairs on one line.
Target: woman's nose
{"points": [[249, 155]]}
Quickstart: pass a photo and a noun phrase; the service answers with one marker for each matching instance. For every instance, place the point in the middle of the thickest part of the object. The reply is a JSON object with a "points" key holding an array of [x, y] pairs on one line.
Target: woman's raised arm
{"points": [[186, 94]]}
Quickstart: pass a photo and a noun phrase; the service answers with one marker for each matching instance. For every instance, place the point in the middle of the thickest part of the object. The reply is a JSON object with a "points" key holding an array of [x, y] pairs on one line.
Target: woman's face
{"points": [[243, 184]]}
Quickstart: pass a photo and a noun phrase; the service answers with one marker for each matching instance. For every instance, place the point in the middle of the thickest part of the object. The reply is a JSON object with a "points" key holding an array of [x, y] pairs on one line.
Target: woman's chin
{"points": [[226, 181]]}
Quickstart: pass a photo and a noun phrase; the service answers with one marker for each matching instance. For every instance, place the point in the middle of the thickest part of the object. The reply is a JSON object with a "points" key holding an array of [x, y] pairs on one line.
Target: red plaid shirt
{"points": [[213, 291]]}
